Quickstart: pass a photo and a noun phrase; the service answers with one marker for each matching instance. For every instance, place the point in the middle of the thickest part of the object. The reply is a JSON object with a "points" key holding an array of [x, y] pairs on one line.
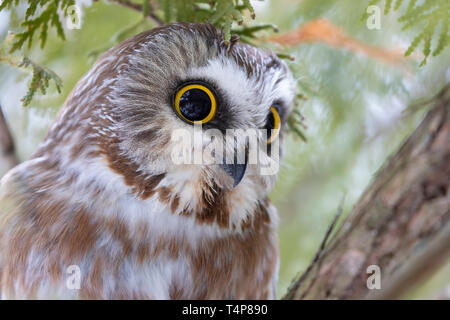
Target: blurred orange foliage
{"points": [[322, 30]]}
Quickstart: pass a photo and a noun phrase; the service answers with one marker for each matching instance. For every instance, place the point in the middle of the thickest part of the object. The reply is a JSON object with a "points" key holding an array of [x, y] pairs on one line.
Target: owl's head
{"points": [[143, 93]]}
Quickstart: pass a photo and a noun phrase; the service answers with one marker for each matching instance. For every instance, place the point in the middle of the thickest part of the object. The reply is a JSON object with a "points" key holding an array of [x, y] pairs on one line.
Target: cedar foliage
{"points": [[42, 15], [41, 76], [33, 23], [432, 16]]}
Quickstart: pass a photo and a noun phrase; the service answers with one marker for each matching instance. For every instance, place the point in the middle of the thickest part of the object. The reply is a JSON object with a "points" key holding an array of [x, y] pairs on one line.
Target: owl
{"points": [[101, 210]]}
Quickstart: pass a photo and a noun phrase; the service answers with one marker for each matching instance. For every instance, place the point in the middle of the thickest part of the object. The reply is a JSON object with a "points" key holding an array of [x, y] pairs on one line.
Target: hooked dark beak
{"points": [[236, 170]]}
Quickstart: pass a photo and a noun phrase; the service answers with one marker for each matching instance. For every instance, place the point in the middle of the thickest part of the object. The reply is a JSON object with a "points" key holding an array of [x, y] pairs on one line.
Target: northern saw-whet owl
{"points": [[101, 192]]}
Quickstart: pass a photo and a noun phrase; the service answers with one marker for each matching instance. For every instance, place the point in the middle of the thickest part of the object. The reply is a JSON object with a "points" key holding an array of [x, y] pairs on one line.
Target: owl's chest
{"points": [[216, 270], [120, 247], [191, 261]]}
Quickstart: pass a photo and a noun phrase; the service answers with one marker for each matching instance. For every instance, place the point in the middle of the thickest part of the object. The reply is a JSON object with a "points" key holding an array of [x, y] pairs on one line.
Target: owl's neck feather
{"points": [[111, 185]]}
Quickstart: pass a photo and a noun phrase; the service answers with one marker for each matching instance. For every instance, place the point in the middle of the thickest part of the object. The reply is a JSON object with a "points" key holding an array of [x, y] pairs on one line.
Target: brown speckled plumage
{"points": [[101, 193]]}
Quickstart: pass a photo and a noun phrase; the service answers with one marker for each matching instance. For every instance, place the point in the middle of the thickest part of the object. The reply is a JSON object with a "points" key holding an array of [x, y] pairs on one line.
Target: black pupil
{"points": [[195, 104], [270, 123]]}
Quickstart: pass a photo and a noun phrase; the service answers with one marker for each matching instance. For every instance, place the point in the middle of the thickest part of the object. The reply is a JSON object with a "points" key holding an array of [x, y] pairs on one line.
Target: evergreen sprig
{"points": [[40, 80], [220, 13], [429, 15], [48, 16], [41, 76], [296, 122]]}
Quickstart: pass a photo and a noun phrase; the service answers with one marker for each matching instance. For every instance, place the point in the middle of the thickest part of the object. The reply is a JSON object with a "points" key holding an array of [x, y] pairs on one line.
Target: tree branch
{"points": [[7, 154], [138, 7], [401, 223]]}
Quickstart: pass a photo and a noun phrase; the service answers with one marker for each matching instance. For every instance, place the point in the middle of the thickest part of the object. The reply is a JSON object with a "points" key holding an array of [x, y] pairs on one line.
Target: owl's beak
{"points": [[236, 170]]}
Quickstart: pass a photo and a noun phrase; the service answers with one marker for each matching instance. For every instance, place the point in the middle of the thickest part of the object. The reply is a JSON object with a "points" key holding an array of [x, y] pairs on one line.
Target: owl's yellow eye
{"points": [[195, 103], [273, 125]]}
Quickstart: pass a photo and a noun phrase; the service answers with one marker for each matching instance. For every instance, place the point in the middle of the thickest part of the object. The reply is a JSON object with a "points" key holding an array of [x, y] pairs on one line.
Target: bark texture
{"points": [[8, 157], [401, 223]]}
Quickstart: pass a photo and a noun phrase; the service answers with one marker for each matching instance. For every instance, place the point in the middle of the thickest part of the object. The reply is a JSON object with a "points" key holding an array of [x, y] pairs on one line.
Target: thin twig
{"points": [[138, 7], [152, 14], [319, 252]]}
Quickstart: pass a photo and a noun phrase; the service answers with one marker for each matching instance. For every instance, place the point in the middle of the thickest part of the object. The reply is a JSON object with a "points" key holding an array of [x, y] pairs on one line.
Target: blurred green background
{"points": [[357, 109]]}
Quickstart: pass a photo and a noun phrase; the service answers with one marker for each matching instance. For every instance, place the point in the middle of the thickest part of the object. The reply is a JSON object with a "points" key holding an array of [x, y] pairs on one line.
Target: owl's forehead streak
{"points": [[185, 46], [250, 79]]}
